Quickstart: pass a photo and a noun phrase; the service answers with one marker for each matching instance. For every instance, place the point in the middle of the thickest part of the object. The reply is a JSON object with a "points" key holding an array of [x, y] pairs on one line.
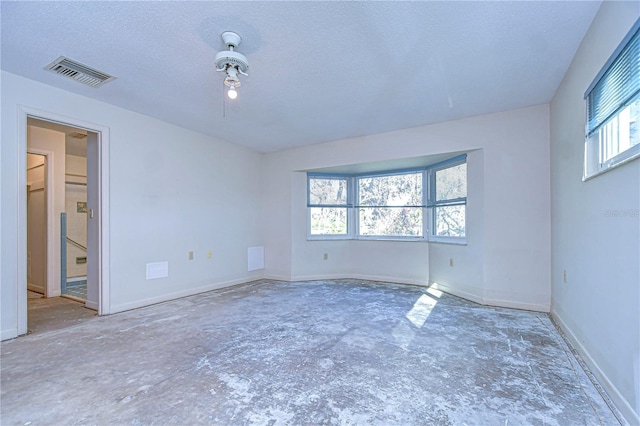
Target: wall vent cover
{"points": [[86, 75]]}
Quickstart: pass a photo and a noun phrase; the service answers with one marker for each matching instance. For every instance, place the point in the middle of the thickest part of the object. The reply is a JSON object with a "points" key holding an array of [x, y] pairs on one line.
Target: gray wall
{"points": [[171, 191], [507, 257], [599, 305]]}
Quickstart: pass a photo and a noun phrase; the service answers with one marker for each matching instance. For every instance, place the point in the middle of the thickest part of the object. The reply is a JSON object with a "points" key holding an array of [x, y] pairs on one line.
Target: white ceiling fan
{"points": [[232, 62]]}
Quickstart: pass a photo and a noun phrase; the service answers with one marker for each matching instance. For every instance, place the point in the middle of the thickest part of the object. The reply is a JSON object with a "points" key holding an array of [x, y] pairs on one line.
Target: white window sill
{"points": [[452, 241], [455, 242], [619, 160]]}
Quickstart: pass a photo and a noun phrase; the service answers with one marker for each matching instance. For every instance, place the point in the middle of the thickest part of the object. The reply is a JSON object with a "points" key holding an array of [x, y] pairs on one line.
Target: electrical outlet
{"points": [[451, 262], [565, 276], [326, 256], [209, 254], [190, 255]]}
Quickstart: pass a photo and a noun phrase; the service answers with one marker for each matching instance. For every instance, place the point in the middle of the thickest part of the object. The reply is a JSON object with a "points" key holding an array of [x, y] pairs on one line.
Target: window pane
{"points": [[621, 132], [451, 183], [396, 190], [449, 221], [328, 191], [391, 221], [328, 220]]}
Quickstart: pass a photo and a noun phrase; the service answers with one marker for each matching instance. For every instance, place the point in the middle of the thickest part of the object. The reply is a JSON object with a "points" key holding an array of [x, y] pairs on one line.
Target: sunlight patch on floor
{"points": [[421, 310]]}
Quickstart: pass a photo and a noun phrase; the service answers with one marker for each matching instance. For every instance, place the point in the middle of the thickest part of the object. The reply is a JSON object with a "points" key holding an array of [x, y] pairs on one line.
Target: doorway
{"points": [[74, 155], [64, 150]]}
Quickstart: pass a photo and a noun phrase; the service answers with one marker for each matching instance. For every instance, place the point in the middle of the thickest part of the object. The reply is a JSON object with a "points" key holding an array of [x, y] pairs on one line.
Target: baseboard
{"points": [[179, 294], [8, 334], [318, 277], [491, 302], [517, 305], [621, 403], [91, 305], [381, 278], [276, 277], [37, 289], [422, 283], [378, 278], [458, 293]]}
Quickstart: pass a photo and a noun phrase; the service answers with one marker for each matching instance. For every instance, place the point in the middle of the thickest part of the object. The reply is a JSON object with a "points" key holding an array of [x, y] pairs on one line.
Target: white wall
{"points": [[599, 305], [76, 171], [36, 224], [507, 258], [171, 191], [53, 142]]}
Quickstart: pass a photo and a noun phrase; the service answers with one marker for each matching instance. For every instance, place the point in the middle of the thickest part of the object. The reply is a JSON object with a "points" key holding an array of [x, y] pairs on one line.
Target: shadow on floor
{"points": [[55, 313]]}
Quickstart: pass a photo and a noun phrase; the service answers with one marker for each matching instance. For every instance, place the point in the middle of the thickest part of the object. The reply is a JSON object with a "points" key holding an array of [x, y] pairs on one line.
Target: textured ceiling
{"points": [[319, 71]]}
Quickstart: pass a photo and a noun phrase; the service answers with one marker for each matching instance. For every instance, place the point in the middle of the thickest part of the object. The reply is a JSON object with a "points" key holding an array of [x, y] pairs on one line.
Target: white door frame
{"points": [[51, 240], [104, 306]]}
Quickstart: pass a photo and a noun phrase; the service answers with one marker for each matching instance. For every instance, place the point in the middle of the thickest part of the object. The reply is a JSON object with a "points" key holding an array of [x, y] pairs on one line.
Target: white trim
{"points": [[325, 237], [624, 157], [422, 283], [36, 289], [8, 334], [276, 277], [379, 278], [318, 277], [104, 286], [328, 237], [458, 293], [621, 403], [179, 294], [21, 226], [103, 178], [396, 238], [52, 288], [537, 307], [395, 280], [458, 241], [91, 305]]}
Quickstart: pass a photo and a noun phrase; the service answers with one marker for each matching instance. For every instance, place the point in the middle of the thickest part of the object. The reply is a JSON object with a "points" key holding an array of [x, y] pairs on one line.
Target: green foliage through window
{"points": [[449, 204], [392, 205]]}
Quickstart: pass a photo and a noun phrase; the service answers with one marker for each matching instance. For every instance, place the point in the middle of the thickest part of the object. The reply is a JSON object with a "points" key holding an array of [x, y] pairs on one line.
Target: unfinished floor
{"points": [[55, 313], [322, 352]]}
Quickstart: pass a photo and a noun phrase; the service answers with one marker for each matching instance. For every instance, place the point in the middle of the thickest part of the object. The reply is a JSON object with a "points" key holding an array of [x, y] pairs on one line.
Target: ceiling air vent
{"points": [[86, 75], [78, 135]]}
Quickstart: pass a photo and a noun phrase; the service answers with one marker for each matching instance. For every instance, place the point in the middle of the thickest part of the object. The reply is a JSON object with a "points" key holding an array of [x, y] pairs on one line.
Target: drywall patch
{"points": [[157, 270], [255, 258]]}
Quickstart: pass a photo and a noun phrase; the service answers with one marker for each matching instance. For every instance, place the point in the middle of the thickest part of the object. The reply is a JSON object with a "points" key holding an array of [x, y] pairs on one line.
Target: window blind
{"points": [[617, 84]]}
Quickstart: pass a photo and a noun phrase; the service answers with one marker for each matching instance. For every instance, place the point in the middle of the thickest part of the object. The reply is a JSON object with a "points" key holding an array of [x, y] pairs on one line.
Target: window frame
{"points": [[348, 206], [428, 204], [433, 203], [593, 144]]}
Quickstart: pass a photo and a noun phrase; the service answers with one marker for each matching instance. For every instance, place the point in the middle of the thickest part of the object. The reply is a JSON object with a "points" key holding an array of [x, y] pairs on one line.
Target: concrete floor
{"points": [[324, 352], [55, 313]]}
